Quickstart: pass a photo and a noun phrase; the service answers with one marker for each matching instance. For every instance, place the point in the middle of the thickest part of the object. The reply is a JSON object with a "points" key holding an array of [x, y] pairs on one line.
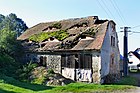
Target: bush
{"points": [[8, 65], [38, 75], [24, 71], [50, 71]]}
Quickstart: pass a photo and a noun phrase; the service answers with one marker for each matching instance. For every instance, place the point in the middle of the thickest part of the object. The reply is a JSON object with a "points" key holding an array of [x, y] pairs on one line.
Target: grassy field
{"points": [[10, 85]]}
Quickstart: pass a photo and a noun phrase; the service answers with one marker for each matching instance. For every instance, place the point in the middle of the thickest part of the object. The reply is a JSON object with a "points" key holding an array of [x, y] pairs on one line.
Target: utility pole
{"points": [[125, 59]]}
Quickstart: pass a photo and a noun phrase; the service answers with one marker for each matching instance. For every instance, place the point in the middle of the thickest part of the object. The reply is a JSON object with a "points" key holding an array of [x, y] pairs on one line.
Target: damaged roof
{"points": [[77, 30]]}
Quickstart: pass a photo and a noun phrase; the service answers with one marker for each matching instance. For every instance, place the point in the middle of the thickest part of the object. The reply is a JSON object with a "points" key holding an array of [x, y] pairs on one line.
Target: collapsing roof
{"points": [[80, 34]]}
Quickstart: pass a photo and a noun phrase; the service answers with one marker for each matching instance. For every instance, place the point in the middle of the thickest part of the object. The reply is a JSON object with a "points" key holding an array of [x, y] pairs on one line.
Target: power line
{"points": [[133, 32], [118, 11], [136, 26], [103, 8], [108, 9]]}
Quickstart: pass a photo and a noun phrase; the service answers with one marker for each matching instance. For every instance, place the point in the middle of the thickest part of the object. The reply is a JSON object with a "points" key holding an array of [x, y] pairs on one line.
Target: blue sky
{"points": [[37, 11]]}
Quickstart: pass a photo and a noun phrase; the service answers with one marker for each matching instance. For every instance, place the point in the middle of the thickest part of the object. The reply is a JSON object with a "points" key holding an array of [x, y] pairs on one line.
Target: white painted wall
{"points": [[84, 75], [134, 59], [107, 50], [105, 55], [68, 73]]}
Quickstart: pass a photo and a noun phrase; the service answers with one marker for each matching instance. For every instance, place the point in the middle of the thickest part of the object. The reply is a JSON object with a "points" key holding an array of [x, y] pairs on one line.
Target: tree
{"points": [[13, 23], [7, 41], [9, 49]]}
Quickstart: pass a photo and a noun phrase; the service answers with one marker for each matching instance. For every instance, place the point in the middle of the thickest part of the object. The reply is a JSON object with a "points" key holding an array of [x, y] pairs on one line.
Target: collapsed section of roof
{"points": [[73, 34]]}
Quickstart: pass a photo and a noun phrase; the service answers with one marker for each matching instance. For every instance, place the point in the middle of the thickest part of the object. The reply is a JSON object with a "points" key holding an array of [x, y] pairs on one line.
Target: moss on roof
{"points": [[60, 35]]}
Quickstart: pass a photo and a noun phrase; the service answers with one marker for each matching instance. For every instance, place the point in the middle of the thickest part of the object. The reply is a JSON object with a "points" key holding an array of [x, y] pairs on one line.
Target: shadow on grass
{"points": [[132, 79], [34, 87], [136, 75], [5, 91]]}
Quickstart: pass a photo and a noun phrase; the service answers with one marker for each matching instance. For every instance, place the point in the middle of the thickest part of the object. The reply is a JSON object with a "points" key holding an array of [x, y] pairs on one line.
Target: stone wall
{"points": [[54, 62], [96, 67]]}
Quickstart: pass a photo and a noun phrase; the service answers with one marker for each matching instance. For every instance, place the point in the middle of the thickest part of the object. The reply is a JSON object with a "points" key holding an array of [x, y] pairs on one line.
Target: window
{"points": [[63, 60], [88, 61], [85, 61], [112, 59], [68, 61], [82, 61], [83, 37], [113, 28], [112, 41], [43, 60], [76, 61], [51, 38]]}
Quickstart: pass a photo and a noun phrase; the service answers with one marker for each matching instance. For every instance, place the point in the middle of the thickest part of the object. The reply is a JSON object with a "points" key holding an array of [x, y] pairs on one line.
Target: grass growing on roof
{"points": [[60, 35], [57, 25]]}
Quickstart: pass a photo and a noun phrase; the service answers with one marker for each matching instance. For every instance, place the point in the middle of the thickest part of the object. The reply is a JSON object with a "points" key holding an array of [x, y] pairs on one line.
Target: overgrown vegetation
{"points": [[90, 32], [9, 49], [56, 25], [24, 72], [40, 75], [8, 65], [60, 35]]}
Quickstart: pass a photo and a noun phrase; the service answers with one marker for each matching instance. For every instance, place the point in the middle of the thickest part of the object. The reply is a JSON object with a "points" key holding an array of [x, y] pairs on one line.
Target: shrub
{"points": [[24, 71], [8, 65], [50, 71]]}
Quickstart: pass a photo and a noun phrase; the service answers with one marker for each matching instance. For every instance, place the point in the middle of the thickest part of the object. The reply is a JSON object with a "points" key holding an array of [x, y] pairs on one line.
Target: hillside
{"points": [[10, 85]]}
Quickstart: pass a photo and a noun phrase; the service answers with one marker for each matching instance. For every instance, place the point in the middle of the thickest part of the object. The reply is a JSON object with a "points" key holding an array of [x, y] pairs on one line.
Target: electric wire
{"points": [[103, 8], [136, 26], [108, 9], [118, 11]]}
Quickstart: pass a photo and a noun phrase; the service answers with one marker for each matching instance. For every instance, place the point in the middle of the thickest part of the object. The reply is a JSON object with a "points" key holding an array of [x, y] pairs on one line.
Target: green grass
{"points": [[74, 87], [87, 88], [128, 81], [10, 85]]}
